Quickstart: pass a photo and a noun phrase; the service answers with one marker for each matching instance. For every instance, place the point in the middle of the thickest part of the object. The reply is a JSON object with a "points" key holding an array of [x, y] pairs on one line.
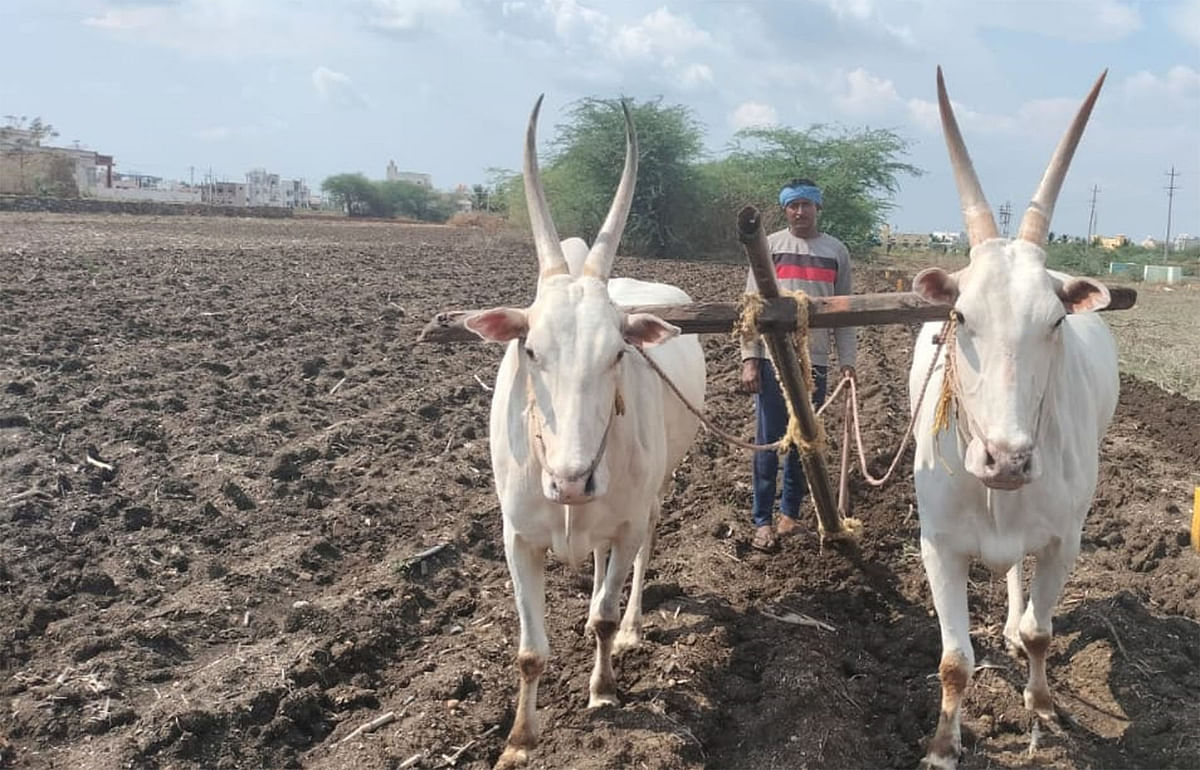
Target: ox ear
{"points": [[935, 285], [1083, 295], [500, 324], [645, 330]]}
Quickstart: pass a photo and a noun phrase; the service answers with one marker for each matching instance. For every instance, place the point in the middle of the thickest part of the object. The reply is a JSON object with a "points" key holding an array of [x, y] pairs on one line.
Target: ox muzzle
{"points": [[1003, 464]]}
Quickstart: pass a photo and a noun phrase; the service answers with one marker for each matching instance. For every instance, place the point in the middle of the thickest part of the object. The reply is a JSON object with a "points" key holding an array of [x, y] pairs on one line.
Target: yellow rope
{"points": [[941, 414], [746, 330]]}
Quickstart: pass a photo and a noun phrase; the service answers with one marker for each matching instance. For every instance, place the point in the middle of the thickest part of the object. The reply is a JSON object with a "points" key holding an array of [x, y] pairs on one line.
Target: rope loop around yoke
{"points": [[746, 330]]}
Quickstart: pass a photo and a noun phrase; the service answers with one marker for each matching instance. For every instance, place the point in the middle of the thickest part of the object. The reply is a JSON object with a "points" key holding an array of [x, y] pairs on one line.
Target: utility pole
{"points": [[1005, 216], [1092, 217], [1171, 188]]}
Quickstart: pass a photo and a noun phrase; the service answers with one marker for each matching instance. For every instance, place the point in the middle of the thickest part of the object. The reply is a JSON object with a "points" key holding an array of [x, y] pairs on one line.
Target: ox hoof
{"points": [[600, 700], [937, 762], [512, 757], [1016, 647], [626, 639]]}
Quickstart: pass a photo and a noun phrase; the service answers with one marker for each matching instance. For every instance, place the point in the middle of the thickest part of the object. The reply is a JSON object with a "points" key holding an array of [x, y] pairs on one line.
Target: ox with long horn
{"points": [[1007, 466], [584, 435]]}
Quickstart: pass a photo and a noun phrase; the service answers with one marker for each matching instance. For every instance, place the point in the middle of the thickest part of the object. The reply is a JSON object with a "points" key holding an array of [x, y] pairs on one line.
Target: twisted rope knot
{"points": [[941, 413], [746, 330]]}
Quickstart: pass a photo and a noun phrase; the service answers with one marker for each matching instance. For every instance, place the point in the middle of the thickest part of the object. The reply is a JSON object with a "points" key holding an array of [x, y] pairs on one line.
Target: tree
{"points": [[353, 193], [588, 155], [857, 169], [362, 197], [412, 200]]}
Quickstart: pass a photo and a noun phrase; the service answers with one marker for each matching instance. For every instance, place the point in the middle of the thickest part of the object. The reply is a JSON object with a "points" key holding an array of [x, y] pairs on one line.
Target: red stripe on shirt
{"points": [[806, 273]]}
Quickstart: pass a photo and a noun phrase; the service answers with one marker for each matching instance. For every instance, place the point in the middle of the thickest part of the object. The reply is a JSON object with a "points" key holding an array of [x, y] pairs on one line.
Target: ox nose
{"points": [[1007, 465], [571, 491]]}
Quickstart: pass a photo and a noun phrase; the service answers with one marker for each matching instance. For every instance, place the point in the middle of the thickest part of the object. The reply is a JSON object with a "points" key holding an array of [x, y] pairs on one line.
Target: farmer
{"points": [[818, 264]]}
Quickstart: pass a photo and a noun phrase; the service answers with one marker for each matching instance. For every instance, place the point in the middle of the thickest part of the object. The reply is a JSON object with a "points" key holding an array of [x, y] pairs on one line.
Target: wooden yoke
{"points": [[791, 379]]}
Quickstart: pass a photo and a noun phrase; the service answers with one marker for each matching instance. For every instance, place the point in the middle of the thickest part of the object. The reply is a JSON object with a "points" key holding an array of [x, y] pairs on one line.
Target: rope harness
{"points": [[747, 327], [535, 425]]}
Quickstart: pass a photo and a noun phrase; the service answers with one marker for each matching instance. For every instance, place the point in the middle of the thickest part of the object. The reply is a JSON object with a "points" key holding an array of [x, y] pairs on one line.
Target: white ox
{"points": [[1015, 471], [584, 434]]}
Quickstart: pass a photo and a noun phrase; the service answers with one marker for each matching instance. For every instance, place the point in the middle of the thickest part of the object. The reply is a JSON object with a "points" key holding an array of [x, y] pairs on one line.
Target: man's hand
{"points": [[750, 371], [848, 371]]}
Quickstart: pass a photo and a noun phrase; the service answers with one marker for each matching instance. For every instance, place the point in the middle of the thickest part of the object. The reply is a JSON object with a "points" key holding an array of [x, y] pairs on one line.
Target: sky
{"points": [[311, 88]]}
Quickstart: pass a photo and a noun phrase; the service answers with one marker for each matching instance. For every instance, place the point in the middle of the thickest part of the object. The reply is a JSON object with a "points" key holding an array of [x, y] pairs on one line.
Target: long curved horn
{"points": [[545, 237], [600, 257], [977, 214], [1036, 222]]}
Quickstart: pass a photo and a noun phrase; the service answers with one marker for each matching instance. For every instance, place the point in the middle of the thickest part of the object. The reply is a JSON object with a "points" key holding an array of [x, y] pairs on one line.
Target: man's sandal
{"points": [[787, 527], [764, 539]]}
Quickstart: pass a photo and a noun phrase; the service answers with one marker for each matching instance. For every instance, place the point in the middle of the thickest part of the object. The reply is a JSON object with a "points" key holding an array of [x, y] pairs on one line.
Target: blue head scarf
{"points": [[805, 191]]}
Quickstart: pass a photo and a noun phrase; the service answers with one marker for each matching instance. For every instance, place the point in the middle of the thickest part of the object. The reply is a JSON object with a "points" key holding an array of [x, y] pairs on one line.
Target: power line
{"points": [[1170, 188], [1092, 216], [1005, 215]]}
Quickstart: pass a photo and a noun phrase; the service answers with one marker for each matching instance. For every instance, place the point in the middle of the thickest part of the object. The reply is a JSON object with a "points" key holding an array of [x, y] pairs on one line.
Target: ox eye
{"points": [[959, 318], [620, 355], [529, 352], [1059, 322]]}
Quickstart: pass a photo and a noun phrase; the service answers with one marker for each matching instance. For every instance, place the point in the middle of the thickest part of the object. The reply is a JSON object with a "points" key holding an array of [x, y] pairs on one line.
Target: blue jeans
{"points": [[772, 424]]}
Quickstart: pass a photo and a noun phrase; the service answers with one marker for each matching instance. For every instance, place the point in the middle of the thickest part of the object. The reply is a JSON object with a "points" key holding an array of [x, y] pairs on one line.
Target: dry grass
{"points": [[1159, 339], [487, 222]]}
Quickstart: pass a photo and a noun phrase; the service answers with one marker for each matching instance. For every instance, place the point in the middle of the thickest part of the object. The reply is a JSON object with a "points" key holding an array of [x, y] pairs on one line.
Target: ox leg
{"points": [[947, 573], [602, 620], [630, 633], [1016, 608], [599, 568], [1049, 577], [526, 565]]}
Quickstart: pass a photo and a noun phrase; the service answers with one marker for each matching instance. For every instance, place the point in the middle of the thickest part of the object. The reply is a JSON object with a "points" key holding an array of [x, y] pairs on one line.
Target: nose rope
{"points": [[951, 395], [537, 426]]}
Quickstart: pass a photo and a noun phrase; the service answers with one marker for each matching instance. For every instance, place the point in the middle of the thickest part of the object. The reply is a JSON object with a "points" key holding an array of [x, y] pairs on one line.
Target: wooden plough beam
{"points": [[778, 314], [777, 322]]}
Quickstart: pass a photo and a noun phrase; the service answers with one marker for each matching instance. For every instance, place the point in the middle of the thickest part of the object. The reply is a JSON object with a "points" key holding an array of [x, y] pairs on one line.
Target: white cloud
{"points": [[409, 17], [866, 94], [1185, 18], [925, 114], [696, 75], [1092, 21], [336, 88], [129, 19], [1180, 83], [575, 23], [861, 10], [751, 114], [232, 29], [661, 34]]}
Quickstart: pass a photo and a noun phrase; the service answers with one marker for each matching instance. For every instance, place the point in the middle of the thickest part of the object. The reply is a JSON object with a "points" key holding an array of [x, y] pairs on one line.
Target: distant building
{"points": [[144, 187], [267, 189], [1150, 242], [412, 177], [27, 169], [262, 188], [949, 239], [1112, 242], [1184, 241], [464, 202], [224, 194]]}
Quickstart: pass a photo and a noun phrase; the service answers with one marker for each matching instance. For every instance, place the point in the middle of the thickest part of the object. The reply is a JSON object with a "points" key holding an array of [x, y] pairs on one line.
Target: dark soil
{"points": [[220, 450]]}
